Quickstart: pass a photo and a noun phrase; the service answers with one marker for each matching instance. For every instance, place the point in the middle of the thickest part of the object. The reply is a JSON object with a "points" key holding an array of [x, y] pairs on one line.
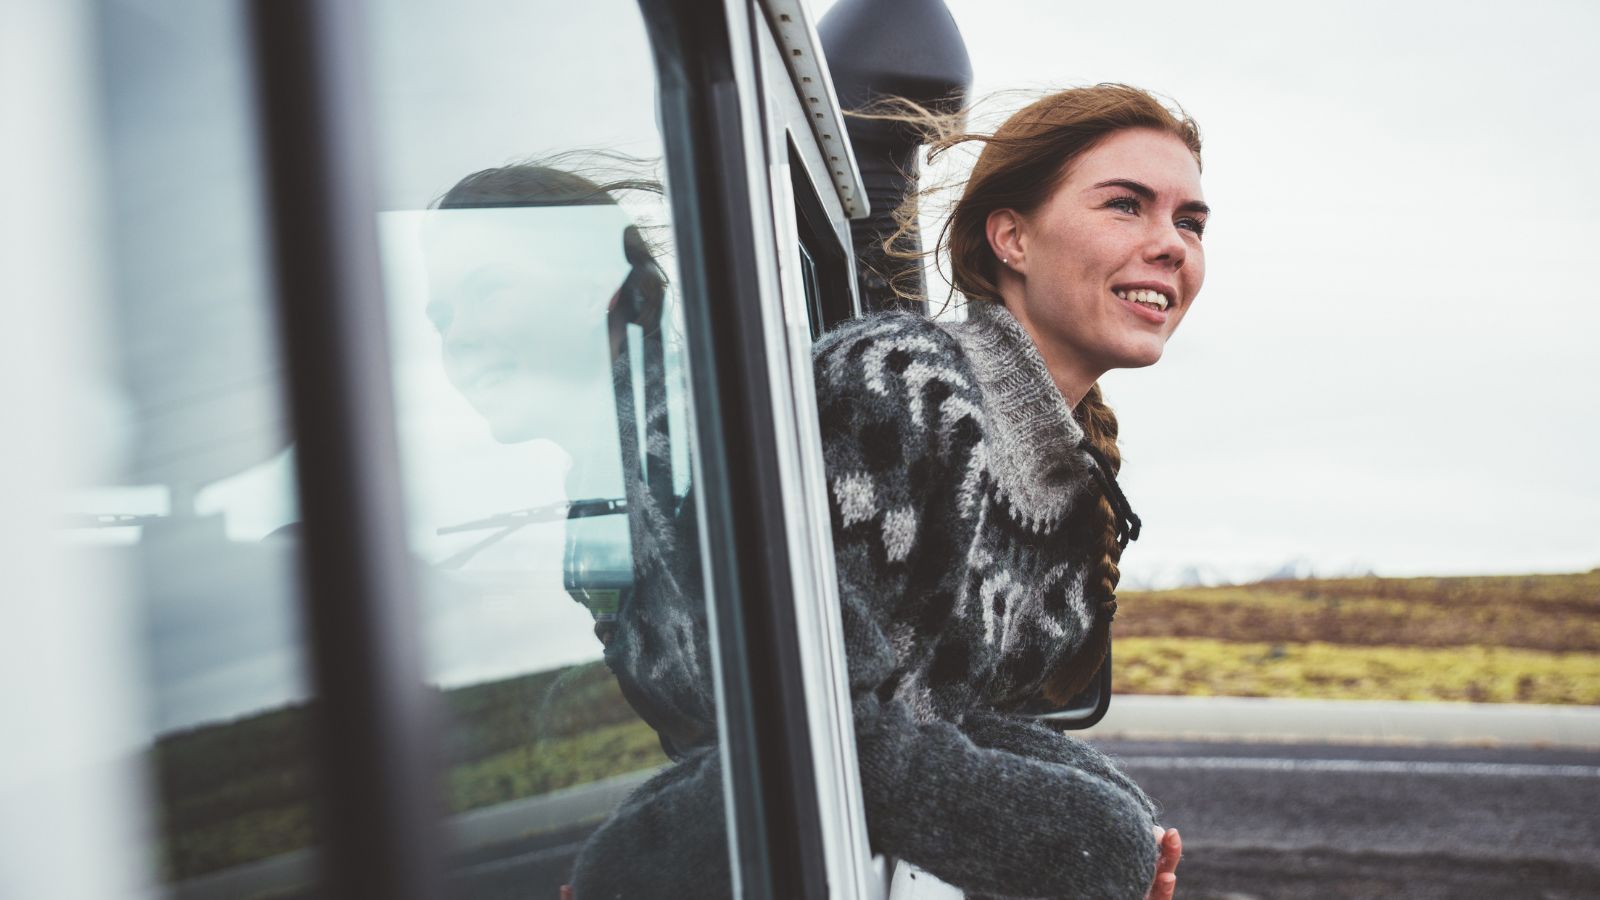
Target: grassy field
{"points": [[238, 791], [1523, 639]]}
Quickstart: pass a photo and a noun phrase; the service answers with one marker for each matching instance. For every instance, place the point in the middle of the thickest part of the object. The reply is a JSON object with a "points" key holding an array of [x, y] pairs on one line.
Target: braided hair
{"points": [[1099, 425]]}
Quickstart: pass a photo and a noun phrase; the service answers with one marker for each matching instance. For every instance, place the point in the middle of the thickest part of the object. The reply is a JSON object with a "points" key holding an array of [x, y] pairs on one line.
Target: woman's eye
{"points": [[1128, 205], [1198, 226]]}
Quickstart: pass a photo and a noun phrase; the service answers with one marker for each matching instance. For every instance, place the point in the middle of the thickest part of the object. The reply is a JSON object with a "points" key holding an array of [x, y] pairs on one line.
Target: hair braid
{"points": [[1099, 425]]}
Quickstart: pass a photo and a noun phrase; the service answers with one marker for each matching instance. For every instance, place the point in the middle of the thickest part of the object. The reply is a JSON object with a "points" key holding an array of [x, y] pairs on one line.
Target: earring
{"points": [[1005, 260]]}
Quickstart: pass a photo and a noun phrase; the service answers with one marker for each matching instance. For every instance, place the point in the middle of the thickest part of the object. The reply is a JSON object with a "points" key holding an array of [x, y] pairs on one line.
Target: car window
{"points": [[536, 330], [186, 514]]}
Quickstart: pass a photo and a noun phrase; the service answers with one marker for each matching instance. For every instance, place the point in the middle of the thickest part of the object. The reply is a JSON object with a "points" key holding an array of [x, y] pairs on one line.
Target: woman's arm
{"points": [[1027, 737], [993, 821], [667, 841]]}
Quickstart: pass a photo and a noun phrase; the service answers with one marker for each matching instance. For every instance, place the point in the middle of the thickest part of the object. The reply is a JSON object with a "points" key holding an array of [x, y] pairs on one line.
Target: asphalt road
{"points": [[1300, 821], [1278, 821], [1293, 821], [527, 869]]}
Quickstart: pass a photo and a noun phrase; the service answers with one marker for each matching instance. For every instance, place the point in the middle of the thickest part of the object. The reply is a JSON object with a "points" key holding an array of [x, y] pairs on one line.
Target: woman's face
{"points": [[522, 329], [1123, 227]]}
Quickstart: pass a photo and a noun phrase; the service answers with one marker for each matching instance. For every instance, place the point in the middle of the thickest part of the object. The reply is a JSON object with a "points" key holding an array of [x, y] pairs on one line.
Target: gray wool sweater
{"points": [[964, 529]]}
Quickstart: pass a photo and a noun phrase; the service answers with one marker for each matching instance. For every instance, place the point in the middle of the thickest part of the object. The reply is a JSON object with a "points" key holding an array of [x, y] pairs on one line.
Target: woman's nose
{"points": [[459, 322], [442, 314], [1167, 245]]}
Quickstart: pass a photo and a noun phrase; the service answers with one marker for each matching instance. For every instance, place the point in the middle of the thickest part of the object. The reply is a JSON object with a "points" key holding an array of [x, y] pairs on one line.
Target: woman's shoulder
{"points": [[868, 350], [884, 325], [895, 380]]}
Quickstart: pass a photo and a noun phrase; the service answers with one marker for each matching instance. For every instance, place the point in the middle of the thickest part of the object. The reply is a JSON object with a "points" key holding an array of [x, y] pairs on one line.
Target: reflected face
{"points": [[1112, 260], [522, 334]]}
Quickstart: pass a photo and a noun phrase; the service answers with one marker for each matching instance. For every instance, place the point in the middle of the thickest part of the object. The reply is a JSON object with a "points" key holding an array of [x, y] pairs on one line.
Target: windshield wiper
{"points": [[508, 523], [110, 520]]}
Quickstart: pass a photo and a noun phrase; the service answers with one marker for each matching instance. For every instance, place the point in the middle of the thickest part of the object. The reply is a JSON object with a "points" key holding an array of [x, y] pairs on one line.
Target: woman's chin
{"points": [[517, 410], [511, 423], [1140, 356], [507, 430]]}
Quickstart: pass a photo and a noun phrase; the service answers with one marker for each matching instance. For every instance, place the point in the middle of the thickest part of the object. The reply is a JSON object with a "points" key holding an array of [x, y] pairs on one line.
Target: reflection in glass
{"points": [[193, 510], [543, 416], [554, 324]]}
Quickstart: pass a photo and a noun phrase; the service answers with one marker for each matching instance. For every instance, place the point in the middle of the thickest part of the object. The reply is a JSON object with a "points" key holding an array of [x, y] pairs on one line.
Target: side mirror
{"points": [[1086, 707]]}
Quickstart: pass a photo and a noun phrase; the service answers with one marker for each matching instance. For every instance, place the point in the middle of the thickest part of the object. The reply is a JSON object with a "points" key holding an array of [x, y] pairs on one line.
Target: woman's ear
{"points": [[1004, 229]]}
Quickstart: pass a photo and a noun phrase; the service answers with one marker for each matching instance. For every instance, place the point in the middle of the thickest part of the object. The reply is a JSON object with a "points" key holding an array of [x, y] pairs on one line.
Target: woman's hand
{"points": [[1171, 847]]}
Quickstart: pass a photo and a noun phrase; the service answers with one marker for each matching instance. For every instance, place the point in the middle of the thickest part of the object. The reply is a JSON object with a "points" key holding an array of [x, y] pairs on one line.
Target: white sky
{"points": [[1392, 362]]}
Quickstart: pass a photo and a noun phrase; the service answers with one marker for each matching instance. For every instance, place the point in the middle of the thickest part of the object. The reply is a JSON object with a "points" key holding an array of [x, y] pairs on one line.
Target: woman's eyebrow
{"points": [[1148, 193], [1127, 184]]}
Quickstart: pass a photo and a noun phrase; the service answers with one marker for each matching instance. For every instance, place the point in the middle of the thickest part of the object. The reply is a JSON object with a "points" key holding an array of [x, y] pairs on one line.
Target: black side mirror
{"points": [[1086, 707]]}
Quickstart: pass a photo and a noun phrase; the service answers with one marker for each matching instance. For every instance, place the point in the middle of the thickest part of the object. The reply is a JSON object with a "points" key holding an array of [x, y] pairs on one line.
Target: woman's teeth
{"points": [[1152, 299]]}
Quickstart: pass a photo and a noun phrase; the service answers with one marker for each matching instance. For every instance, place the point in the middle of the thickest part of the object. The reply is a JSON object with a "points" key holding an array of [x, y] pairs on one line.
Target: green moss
{"points": [[1318, 670], [1557, 613], [236, 792], [544, 766]]}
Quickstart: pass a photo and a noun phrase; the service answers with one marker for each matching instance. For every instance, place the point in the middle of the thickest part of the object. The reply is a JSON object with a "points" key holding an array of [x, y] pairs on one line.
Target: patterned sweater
{"points": [[963, 520]]}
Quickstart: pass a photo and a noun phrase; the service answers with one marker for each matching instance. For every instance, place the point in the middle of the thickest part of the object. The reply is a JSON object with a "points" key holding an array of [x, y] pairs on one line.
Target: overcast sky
{"points": [[1392, 363]]}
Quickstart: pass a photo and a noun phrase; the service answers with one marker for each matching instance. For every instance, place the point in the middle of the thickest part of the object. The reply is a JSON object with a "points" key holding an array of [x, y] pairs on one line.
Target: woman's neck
{"points": [[1072, 376]]}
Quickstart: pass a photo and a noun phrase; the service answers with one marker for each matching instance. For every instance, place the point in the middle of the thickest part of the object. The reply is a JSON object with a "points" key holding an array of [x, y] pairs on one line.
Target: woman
{"points": [[536, 275], [982, 577], [978, 524]]}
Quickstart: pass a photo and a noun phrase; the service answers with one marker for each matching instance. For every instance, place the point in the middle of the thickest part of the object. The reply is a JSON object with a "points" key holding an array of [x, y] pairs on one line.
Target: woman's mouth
{"points": [[1148, 304], [487, 377], [1150, 299]]}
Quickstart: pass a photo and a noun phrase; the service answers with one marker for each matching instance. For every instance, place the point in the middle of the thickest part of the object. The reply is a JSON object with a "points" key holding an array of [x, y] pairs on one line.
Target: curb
{"points": [[1141, 717]]}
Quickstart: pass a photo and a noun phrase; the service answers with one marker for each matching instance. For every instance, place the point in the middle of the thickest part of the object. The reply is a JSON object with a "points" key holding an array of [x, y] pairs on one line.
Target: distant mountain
{"points": [[1301, 567], [1159, 577], [1189, 574]]}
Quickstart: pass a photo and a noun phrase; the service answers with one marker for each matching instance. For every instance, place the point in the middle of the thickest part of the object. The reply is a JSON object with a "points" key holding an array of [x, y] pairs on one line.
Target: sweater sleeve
{"points": [[667, 841], [902, 433]]}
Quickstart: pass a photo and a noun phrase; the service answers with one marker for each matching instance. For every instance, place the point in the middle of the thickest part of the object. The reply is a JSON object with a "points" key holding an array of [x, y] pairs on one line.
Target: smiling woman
{"points": [[977, 518]]}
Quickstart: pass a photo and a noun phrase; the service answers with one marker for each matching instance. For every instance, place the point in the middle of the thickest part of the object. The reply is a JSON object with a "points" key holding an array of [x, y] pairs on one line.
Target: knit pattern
{"points": [[963, 507], [658, 648]]}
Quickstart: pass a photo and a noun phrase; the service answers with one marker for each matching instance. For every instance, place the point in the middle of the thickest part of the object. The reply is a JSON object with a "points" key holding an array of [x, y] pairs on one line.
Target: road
{"points": [[1300, 821], [1292, 821], [1261, 821]]}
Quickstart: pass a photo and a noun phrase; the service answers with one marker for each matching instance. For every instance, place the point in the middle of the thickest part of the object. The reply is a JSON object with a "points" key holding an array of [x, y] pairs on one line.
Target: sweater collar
{"points": [[1038, 434], [1015, 378]]}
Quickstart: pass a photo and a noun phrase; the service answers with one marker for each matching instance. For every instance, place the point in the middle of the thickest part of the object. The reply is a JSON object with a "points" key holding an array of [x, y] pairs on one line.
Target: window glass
{"points": [[824, 269], [534, 319], [190, 509]]}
